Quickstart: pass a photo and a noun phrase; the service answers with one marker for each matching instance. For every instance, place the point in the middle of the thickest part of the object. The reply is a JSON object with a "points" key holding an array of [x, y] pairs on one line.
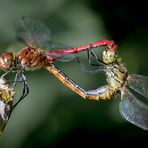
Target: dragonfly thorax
{"points": [[32, 57], [116, 75]]}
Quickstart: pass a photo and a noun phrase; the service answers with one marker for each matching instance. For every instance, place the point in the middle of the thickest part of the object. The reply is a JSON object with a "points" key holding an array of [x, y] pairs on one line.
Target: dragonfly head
{"points": [[110, 55], [6, 60]]}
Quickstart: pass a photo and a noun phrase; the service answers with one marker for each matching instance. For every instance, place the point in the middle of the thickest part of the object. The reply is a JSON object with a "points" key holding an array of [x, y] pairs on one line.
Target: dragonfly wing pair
{"points": [[132, 109], [34, 33], [37, 35]]}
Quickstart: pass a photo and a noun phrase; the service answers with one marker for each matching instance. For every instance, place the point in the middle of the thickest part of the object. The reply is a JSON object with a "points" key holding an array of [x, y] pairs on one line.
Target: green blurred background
{"points": [[52, 115]]}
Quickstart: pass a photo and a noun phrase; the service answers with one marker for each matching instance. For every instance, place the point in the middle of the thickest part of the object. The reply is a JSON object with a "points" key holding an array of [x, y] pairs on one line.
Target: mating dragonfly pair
{"points": [[36, 38]]}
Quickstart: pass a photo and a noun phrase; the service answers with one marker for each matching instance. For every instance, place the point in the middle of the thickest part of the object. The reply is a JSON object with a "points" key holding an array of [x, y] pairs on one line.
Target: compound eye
{"points": [[6, 60]]}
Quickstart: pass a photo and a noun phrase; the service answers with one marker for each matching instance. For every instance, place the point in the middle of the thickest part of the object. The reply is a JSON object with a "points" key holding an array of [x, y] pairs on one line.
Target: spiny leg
{"points": [[83, 69], [6, 73], [15, 79], [25, 89], [99, 63]]}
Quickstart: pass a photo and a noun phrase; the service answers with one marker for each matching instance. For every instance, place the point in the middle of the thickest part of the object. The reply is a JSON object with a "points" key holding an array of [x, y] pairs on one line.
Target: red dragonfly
{"points": [[37, 37]]}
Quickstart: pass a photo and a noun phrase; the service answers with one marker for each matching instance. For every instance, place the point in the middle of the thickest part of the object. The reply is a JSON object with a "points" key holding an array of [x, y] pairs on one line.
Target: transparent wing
{"points": [[34, 33], [62, 57], [133, 110], [139, 83]]}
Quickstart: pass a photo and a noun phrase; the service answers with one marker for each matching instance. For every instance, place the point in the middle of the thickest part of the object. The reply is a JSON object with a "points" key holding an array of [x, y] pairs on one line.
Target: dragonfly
{"points": [[120, 81], [38, 53], [28, 58], [6, 101]]}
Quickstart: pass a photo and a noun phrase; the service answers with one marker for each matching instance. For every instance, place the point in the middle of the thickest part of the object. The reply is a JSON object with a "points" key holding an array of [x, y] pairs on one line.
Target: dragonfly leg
{"points": [[99, 63], [15, 79], [6, 73], [83, 69], [25, 90]]}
